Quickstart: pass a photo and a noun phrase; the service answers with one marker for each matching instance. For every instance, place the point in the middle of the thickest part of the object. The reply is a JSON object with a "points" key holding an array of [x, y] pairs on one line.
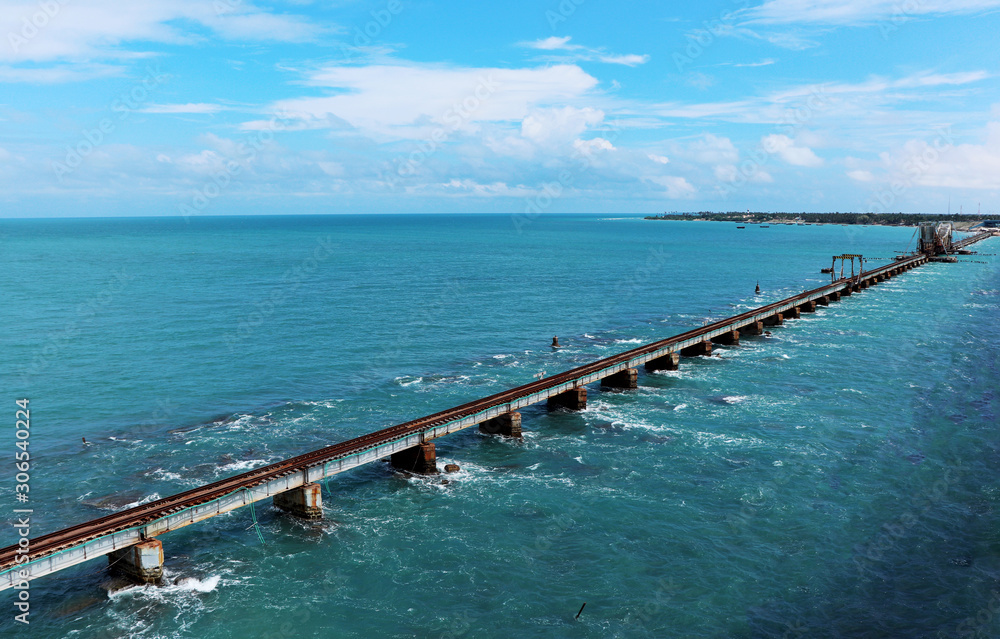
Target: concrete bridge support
{"points": [[573, 399], [627, 379], [669, 362], [807, 307], [703, 348], [141, 563], [823, 301], [774, 320], [508, 425], [753, 328], [420, 460], [305, 502], [792, 313], [732, 338], [834, 296]]}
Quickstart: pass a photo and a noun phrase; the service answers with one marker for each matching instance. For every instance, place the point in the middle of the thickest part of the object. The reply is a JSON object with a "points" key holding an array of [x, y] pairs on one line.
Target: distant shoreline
{"points": [[960, 223]]}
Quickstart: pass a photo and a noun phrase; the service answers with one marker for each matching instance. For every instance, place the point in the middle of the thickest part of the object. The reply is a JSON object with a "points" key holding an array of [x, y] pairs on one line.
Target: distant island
{"points": [[878, 219]]}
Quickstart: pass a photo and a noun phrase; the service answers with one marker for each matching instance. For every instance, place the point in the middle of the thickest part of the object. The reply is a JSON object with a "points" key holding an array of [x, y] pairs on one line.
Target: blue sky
{"points": [[216, 107]]}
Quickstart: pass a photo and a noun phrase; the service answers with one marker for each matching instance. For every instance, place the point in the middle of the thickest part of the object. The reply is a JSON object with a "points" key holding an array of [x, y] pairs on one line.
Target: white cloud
{"points": [[861, 175], [559, 124], [629, 60], [939, 163], [552, 43], [676, 187], [712, 149], [397, 101], [789, 151], [191, 107], [588, 147], [659, 159], [580, 53], [853, 12], [78, 31]]}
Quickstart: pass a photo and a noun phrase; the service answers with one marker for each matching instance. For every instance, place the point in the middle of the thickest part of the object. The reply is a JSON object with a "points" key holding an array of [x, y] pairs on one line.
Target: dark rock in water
{"points": [[962, 561], [445, 482], [451, 468], [916, 458]]}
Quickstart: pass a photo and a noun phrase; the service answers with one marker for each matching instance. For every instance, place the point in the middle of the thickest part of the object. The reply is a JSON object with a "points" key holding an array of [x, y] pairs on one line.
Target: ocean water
{"points": [[836, 479]]}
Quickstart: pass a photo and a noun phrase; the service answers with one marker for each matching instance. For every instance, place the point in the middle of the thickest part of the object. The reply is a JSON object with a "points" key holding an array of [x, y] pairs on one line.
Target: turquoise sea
{"points": [[839, 478]]}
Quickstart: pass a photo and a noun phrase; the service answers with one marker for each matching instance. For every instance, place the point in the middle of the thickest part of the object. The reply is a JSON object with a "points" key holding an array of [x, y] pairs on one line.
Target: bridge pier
{"points": [[703, 348], [573, 399], [627, 379], [732, 338], [668, 362], [141, 563], [774, 320], [792, 313], [304, 502], [508, 425], [420, 460], [807, 307], [823, 301], [834, 296], [845, 292], [753, 328]]}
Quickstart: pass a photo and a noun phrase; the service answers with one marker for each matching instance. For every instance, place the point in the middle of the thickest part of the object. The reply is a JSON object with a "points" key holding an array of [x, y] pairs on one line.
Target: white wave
{"points": [[734, 399], [501, 356], [588, 336], [242, 465], [161, 473], [197, 585], [634, 340], [408, 381], [680, 406], [144, 500]]}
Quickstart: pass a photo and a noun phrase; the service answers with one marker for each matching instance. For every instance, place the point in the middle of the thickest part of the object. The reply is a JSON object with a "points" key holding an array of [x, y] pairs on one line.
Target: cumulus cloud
{"points": [[939, 163], [676, 188], [559, 124], [789, 151], [444, 99]]}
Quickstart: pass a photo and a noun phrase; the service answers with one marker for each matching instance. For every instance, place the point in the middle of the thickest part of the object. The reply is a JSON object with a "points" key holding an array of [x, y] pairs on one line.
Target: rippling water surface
{"points": [[836, 479]]}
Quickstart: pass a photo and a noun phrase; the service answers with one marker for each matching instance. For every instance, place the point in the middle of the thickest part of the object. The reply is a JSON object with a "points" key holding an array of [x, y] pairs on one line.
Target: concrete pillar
{"points": [[305, 502], [669, 362], [807, 307], [834, 296], [775, 320], [753, 328], [623, 380], [703, 348], [142, 563], [823, 301], [573, 399], [420, 460], [508, 425], [846, 292], [792, 313], [732, 338]]}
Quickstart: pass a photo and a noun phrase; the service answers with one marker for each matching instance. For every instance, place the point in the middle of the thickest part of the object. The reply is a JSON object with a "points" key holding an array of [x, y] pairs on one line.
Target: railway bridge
{"points": [[131, 538]]}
